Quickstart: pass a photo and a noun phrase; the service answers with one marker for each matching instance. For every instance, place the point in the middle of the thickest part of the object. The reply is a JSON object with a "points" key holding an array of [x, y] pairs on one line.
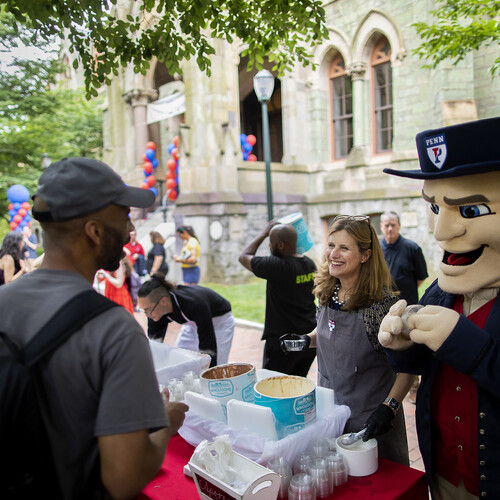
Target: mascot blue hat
{"points": [[465, 149]]}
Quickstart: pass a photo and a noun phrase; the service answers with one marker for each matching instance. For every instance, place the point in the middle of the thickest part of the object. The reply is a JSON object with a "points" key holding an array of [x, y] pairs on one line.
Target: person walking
{"points": [[156, 260], [206, 317], [190, 255], [12, 265], [404, 257], [290, 304], [107, 424]]}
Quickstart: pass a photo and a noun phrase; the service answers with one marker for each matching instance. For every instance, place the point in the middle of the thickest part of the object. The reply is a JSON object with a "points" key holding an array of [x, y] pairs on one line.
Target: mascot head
{"points": [[460, 166]]}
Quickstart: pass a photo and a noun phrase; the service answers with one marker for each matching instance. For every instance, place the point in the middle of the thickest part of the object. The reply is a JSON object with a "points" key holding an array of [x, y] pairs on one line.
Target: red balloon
{"points": [[170, 175], [172, 194], [151, 180], [145, 158], [17, 218], [171, 164], [10, 206], [22, 212], [151, 145], [171, 183], [25, 205], [13, 225], [175, 154], [148, 166], [144, 185], [251, 139], [175, 141], [252, 158]]}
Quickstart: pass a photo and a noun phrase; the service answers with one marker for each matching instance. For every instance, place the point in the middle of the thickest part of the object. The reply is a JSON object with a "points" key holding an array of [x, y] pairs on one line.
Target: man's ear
{"points": [[94, 231]]}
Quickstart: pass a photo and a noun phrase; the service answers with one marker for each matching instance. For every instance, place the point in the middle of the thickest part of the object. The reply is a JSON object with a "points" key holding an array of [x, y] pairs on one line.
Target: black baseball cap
{"points": [[76, 187]]}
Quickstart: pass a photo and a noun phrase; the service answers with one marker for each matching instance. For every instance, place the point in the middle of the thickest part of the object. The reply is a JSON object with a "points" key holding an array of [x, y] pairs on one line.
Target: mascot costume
{"points": [[454, 341]]}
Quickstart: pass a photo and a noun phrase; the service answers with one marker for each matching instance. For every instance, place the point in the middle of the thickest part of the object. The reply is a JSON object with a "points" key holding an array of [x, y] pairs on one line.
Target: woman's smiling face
{"points": [[344, 258]]}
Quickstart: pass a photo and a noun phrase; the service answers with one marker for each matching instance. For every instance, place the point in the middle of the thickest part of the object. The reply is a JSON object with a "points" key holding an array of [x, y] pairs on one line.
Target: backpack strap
{"points": [[67, 320]]}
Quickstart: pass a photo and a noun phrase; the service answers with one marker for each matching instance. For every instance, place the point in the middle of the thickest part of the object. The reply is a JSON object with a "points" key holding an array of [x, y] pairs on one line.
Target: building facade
{"points": [[334, 127]]}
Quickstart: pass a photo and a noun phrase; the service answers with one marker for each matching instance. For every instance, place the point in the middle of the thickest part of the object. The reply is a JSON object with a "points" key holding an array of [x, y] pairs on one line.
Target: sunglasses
{"points": [[353, 217]]}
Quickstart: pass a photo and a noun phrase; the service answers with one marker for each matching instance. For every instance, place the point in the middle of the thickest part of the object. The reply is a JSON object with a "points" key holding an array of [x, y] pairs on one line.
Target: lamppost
{"points": [[263, 84]]}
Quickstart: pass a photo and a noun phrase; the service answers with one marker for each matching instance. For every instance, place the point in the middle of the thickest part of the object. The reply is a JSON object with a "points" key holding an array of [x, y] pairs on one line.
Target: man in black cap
{"points": [[454, 341], [107, 424], [290, 306]]}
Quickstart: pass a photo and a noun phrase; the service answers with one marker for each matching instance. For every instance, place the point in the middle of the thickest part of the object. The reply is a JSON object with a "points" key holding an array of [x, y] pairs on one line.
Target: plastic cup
{"points": [[176, 389], [301, 463], [322, 478], [281, 467], [337, 467], [409, 311], [318, 448], [188, 379], [302, 487]]}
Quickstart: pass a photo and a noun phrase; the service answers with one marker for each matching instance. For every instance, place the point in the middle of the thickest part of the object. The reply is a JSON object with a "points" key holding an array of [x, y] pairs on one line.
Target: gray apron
{"points": [[360, 376]]}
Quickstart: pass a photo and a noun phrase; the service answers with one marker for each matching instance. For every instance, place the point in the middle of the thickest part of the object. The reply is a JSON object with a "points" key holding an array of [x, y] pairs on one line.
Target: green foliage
{"points": [[35, 116], [106, 38], [248, 301], [462, 26]]}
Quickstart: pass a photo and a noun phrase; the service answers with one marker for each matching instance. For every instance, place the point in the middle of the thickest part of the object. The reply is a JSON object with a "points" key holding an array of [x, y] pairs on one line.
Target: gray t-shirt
{"points": [[100, 382]]}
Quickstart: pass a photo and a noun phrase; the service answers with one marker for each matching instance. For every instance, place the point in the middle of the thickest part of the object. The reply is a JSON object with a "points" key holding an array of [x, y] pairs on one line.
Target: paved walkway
{"points": [[247, 347]]}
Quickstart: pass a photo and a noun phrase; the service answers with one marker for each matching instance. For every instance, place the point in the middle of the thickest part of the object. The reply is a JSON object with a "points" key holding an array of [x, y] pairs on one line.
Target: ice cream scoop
{"points": [[353, 437]]}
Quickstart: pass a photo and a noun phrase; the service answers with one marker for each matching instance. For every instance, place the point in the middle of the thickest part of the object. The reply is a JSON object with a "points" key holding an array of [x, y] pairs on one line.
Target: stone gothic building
{"points": [[333, 130]]}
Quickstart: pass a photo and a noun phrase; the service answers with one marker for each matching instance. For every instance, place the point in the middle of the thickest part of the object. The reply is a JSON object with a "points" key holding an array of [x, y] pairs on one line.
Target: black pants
{"points": [[291, 363]]}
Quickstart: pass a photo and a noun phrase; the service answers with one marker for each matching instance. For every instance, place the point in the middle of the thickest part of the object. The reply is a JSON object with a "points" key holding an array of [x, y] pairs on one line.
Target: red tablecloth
{"points": [[391, 481]]}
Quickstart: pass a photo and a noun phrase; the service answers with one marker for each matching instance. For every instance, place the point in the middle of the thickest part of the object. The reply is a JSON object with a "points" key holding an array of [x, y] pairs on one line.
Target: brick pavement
{"points": [[247, 347]]}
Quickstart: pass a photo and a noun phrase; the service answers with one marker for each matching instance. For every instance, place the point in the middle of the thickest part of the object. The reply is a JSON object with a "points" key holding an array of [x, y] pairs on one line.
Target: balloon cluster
{"points": [[19, 207], [247, 143], [149, 165], [173, 170]]}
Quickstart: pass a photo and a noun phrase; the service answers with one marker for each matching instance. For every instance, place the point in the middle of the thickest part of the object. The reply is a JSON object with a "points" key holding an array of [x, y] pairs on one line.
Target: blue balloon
{"points": [[154, 190], [150, 154], [155, 162], [247, 147], [243, 139], [170, 147], [12, 212], [245, 156], [23, 223], [18, 193], [17, 206], [27, 217]]}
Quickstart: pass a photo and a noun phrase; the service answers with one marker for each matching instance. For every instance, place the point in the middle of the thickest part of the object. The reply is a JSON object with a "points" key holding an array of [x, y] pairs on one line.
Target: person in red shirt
{"points": [[135, 252], [454, 341]]}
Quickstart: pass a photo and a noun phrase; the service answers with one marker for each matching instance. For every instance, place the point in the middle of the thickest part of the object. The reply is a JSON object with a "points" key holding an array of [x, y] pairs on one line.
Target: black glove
{"points": [[379, 422], [306, 340]]}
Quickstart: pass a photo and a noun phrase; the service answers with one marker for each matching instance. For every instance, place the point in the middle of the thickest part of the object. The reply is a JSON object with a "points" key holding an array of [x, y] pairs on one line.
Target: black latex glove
{"points": [[294, 336], [379, 422]]}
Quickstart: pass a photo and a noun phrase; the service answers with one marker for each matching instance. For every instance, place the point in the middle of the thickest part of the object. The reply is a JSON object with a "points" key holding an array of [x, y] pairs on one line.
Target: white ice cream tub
{"points": [[361, 457], [292, 400]]}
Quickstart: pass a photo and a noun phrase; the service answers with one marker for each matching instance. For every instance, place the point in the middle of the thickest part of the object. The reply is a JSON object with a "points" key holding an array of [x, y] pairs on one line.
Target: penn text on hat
{"points": [[465, 149], [76, 187]]}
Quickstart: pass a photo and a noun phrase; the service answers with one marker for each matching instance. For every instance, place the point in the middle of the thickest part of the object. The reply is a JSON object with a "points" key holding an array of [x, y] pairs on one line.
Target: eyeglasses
{"points": [[353, 217], [149, 311]]}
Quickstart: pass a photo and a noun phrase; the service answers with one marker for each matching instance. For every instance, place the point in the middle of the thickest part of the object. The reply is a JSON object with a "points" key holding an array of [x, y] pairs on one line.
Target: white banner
{"points": [[167, 107]]}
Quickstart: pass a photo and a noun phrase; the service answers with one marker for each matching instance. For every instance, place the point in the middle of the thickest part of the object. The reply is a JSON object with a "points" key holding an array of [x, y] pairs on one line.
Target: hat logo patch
{"points": [[436, 150]]}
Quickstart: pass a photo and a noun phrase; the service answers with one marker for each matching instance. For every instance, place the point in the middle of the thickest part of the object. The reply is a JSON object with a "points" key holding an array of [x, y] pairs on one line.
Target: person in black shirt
{"points": [[290, 306], [208, 323], [404, 258]]}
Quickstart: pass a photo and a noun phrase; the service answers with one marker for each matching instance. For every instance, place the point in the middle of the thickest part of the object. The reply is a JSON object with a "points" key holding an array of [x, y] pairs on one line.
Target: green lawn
{"points": [[248, 301]]}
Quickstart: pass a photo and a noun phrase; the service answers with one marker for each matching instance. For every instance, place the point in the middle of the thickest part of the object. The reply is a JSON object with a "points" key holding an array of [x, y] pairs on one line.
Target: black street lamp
{"points": [[263, 84]]}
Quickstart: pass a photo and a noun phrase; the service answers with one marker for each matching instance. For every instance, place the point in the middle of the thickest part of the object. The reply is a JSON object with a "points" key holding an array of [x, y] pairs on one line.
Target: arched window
{"points": [[341, 106], [382, 95]]}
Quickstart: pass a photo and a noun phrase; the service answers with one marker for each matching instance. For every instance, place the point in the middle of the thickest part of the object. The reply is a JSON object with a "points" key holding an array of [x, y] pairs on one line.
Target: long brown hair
{"points": [[374, 283]]}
